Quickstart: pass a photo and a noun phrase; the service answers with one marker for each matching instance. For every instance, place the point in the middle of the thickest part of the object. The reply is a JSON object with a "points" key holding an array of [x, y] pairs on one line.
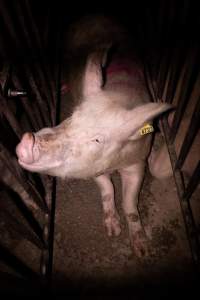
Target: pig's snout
{"points": [[24, 149]]}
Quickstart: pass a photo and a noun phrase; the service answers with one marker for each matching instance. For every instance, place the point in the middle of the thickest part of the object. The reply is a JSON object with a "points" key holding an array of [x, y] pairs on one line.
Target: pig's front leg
{"points": [[111, 218], [132, 178]]}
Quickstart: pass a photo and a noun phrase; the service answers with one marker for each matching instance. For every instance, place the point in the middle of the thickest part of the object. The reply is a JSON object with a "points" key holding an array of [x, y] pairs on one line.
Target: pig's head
{"points": [[87, 143]]}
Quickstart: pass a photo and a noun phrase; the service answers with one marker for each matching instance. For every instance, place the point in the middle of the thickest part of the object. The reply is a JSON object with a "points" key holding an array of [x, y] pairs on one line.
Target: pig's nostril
{"points": [[24, 149]]}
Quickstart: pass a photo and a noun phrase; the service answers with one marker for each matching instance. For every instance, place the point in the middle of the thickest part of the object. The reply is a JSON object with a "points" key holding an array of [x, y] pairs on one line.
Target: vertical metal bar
{"points": [[17, 182], [12, 32], [10, 117], [30, 108], [190, 135], [48, 230], [176, 68], [39, 43], [188, 80], [194, 181], [190, 225]]}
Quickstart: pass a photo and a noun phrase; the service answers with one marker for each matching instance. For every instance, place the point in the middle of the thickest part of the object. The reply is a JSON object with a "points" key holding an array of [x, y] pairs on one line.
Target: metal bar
{"points": [[194, 181], [48, 81], [13, 177], [189, 78], [175, 72], [193, 128], [31, 110], [21, 229], [10, 117], [46, 260], [190, 225], [43, 109], [21, 204], [42, 106], [16, 264], [48, 230], [36, 51], [6, 17]]}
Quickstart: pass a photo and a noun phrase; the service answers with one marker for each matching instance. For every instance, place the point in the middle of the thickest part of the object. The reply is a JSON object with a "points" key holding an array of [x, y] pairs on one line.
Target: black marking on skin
{"points": [[133, 217]]}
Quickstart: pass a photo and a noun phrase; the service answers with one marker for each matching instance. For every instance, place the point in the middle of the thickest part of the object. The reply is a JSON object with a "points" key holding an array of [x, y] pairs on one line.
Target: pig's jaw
{"points": [[38, 167]]}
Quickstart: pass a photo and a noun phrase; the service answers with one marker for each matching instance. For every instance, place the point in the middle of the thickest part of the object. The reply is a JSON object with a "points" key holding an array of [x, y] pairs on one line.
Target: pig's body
{"points": [[103, 133]]}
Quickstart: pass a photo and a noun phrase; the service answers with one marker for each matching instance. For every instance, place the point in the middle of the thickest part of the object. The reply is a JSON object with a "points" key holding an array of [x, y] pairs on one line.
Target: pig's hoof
{"points": [[112, 224], [139, 244]]}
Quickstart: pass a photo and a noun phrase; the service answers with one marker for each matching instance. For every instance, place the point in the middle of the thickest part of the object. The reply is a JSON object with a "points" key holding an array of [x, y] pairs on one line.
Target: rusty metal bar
{"points": [[190, 135], [194, 181]]}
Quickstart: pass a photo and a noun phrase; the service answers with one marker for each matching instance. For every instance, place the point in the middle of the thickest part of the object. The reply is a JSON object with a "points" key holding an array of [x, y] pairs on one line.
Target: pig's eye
{"points": [[98, 139]]}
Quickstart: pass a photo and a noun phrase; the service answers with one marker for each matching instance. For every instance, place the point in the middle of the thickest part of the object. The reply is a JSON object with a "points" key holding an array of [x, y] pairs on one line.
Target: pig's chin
{"points": [[39, 167]]}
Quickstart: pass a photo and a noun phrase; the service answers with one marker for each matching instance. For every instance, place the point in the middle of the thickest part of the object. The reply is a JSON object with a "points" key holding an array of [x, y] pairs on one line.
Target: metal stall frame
{"points": [[36, 82], [172, 76]]}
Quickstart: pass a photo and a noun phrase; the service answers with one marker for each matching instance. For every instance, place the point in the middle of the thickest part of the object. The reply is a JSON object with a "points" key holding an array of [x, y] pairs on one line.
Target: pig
{"points": [[103, 133]]}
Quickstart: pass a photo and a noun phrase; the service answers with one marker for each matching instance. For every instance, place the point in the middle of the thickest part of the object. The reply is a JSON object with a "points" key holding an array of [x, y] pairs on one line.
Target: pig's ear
{"points": [[144, 114], [93, 79]]}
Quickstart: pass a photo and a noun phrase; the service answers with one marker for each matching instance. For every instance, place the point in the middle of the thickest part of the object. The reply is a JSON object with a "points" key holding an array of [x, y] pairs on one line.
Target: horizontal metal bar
{"points": [[193, 183], [190, 135]]}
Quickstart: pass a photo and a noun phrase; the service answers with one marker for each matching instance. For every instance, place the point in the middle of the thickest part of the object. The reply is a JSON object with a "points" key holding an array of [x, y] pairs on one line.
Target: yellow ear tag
{"points": [[147, 128]]}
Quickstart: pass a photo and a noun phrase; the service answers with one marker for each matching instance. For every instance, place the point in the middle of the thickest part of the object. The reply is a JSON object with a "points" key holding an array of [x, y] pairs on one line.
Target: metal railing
{"points": [[173, 76], [29, 82]]}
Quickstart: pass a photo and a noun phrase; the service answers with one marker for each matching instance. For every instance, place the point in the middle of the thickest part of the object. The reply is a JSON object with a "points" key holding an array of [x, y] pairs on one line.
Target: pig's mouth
{"points": [[37, 167], [29, 156]]}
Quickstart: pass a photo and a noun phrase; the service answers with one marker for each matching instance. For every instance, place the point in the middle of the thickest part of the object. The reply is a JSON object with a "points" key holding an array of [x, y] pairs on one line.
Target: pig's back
{"points": [[125, 77], [124, 70]]}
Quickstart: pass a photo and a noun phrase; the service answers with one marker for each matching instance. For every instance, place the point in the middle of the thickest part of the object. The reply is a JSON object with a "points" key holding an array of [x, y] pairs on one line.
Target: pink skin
{"points": [[111, 141], [24, 150]]}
